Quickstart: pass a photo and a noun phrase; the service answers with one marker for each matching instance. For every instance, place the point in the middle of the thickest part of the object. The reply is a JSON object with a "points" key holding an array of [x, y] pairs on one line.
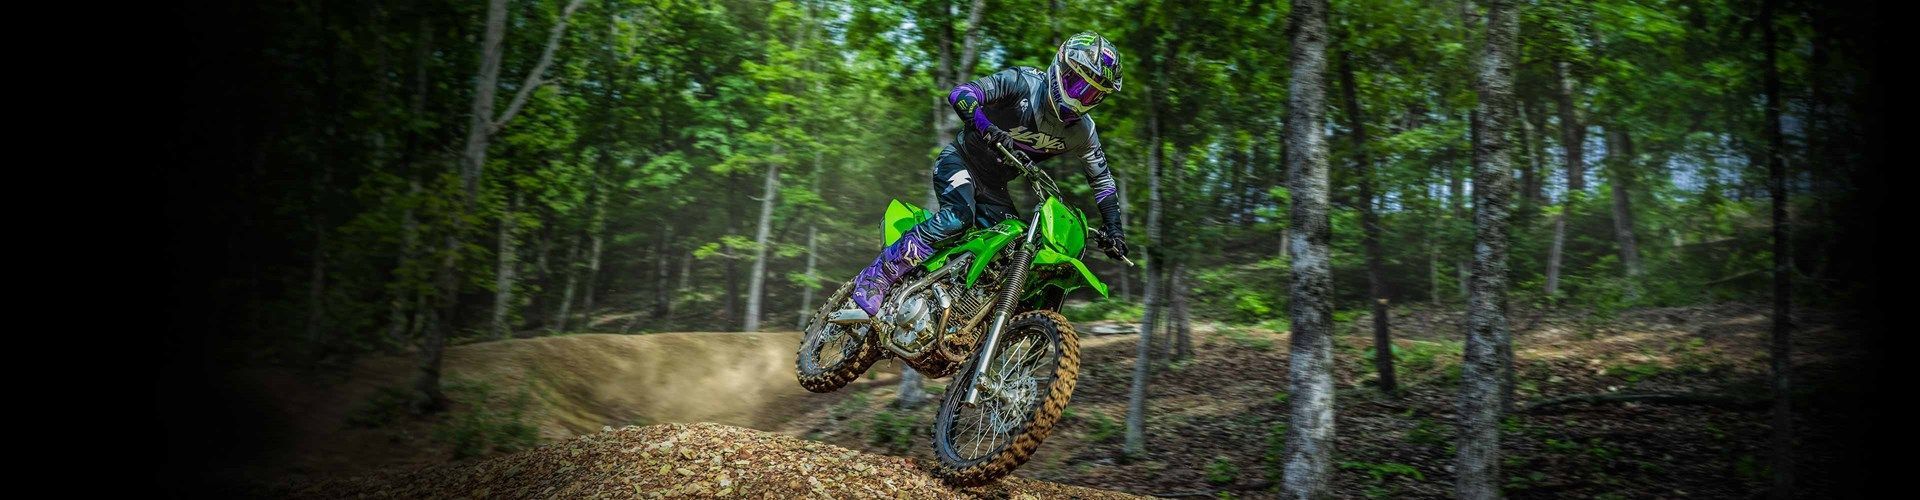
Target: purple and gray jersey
{"points": [[1016, 100]]}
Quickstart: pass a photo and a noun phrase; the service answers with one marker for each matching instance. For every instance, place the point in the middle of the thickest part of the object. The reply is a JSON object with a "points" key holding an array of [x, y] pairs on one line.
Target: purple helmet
{"points": [[1083, 73]]}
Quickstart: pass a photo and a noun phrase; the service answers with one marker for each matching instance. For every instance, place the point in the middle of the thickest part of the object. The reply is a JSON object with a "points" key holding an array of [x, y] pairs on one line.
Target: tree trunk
{"points": [[912, 392], [596, 239], [1053, 21], [663, 254], [398, 323], [563, 311], [686, 273], [480, 128], [1555, 251], [944, 123], [1182, 318], [1456, 200], [813, 252], [1163, 334], [1536, 139], [1781, 352], [1370, 229], [1620, 151], [806, 291], [950, 69], [757, 280], [1433, 272], [1126, 272], [1307, 470], [1136, 436], [317, 272], [446, 280], [732, 267], [1573, 135], [504, 269], [1529, 169], [1483, 371], [1573, 138]]}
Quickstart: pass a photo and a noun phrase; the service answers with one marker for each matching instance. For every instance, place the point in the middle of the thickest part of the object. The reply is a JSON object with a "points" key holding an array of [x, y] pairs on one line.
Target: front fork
{"points": [[1003, 307]]}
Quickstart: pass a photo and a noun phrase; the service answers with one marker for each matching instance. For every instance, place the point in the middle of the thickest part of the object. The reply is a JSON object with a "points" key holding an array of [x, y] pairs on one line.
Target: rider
{"points": [[1047, 116]]}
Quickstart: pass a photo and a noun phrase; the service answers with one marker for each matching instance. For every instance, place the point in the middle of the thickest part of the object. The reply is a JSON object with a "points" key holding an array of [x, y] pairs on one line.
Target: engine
{"points": [[938, 306]]}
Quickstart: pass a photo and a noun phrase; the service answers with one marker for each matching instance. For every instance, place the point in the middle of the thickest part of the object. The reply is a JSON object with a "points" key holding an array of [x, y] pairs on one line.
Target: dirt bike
{"points": [[1014, 373]]}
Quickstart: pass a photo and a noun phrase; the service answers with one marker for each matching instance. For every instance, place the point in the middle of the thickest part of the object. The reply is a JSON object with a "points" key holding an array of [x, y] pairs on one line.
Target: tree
{"points": [[1309, 442], [1572, 137], [1483, 371], [1370, 227], [1136, 433], [481, 127], [1620, 174], [1780, 352]]}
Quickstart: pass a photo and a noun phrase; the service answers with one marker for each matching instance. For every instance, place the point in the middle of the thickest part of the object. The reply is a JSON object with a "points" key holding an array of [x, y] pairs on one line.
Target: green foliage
{"points": [[854, 403], [1521, 479], [894, 432], [1248, 339], [1751, 469], [1425, 361], [651, 134], [1426, 432], [1251, 307], [1222, 471], [1381, 471], [479, 427], [1275, 457], [1348, 316], [1101, 309], [1636, 371], [1103, 427], [384, 406]]}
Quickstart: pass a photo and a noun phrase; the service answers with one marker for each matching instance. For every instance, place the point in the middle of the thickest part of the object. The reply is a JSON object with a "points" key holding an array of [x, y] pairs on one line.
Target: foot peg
{"points": [[852, 316]]}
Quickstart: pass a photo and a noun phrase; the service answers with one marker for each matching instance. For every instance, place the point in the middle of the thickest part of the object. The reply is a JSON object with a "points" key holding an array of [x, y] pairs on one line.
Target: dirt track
{"points": [[680, 461], [582, 383]]}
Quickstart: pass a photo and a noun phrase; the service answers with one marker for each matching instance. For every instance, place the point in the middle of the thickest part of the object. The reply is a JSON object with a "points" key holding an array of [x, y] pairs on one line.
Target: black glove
{"points": [[997, 136], [1113, 241]]}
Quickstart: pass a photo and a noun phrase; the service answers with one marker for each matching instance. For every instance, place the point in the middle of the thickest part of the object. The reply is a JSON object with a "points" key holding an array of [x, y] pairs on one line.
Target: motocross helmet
{"points": [[1083, 73]]}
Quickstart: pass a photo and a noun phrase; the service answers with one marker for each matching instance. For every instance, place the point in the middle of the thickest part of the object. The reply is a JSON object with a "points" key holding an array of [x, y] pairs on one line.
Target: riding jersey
{"points": [[1016, 100]]}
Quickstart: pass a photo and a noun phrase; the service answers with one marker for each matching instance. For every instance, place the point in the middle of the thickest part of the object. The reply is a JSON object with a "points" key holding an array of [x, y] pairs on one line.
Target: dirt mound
{"points": [[577, 384], [681, 461]]}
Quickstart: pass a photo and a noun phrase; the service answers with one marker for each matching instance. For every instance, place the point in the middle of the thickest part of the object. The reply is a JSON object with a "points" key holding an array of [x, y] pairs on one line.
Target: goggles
{"points": [[1075, 86]]}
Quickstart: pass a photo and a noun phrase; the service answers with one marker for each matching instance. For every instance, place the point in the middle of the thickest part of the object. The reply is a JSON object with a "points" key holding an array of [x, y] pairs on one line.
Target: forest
{"points": [[1306, 186]]}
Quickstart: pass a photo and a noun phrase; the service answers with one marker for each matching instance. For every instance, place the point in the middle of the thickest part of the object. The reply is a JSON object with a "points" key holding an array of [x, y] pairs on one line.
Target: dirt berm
{"points": [[680, 461], [580, 384]]}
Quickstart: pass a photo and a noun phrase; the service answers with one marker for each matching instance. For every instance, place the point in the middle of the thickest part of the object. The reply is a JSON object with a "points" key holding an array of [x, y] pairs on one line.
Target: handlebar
{"points": [[1103, 235]]}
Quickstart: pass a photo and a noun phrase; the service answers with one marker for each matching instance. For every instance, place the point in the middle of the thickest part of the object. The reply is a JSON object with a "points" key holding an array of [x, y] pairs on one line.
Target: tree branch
{"points": [[534, 78], [970, 52]]}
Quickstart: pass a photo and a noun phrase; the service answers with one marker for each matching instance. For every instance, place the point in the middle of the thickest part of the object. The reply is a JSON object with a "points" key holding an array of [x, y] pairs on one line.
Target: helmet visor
{"points": [[1076, 86]]}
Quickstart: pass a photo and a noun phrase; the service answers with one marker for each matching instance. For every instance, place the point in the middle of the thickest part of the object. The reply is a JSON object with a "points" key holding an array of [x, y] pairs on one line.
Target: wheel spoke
{"points": [[1018, 379]]}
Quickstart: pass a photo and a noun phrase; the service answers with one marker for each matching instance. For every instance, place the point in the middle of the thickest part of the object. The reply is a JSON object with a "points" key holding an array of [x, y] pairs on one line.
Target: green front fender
{"points": [[1048, 256]]}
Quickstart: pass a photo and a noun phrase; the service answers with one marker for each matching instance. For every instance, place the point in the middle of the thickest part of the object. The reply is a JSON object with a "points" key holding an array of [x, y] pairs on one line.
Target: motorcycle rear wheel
{"points": [[832, 355]]}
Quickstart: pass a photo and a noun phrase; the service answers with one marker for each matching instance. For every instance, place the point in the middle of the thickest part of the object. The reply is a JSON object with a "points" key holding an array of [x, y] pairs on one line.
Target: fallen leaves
{"points": [[683, 461]]}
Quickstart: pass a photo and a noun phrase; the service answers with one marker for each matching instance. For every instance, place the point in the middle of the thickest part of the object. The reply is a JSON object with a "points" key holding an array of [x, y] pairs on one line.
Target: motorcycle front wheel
{"points": [[1027, 385]]}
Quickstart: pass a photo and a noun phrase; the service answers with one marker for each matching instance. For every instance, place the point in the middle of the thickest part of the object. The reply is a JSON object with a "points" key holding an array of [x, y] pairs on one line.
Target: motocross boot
{"points": [[870, 287]]}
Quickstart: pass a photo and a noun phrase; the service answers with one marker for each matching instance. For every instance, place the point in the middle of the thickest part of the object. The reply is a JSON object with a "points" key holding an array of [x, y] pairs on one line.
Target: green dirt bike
{"points": [[1015, 372]]}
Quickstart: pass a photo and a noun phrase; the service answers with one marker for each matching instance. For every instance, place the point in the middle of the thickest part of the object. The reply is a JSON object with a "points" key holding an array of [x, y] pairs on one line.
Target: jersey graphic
{"points": [[1037, 139]]}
